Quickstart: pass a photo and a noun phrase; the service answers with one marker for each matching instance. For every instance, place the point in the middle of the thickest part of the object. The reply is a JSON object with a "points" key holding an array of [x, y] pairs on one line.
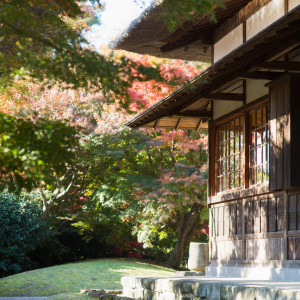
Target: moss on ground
{"points": [[69, 279]]}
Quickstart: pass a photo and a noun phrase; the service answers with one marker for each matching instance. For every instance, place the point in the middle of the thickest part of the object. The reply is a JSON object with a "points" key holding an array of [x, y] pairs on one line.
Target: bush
{"points": [[21, 232]]}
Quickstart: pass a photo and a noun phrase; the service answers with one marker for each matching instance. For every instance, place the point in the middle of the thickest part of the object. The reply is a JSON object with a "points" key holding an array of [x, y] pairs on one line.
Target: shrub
{"points": [[21, 232]]}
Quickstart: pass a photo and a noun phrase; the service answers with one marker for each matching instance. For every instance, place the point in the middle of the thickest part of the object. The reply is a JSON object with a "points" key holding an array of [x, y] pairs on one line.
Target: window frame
{"points": [[243, 112]]}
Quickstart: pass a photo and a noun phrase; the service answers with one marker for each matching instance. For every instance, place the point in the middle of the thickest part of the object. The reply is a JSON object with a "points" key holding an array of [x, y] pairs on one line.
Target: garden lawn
{"points": [[70, 278]]}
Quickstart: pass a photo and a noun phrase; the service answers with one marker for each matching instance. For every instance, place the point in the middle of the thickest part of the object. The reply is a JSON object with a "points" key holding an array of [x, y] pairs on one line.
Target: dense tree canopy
{"points": [[62, 113]]}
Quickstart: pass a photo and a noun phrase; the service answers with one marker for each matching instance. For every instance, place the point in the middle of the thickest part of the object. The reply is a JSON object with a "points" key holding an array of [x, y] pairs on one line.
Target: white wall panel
{"points": [[255, 89], [293, 4], [228, 43], [264, 17], [222, 108]]}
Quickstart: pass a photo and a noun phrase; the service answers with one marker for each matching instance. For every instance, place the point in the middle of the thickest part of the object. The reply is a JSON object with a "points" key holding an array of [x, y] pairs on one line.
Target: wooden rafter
{"points": [[268, 75], [225, 96], [281, 65], [194, 113]]}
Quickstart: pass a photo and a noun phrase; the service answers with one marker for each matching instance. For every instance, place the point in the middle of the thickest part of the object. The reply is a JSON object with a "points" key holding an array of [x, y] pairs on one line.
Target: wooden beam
{"points": [[194, 113], [282, 65], [156, 124], [178, 124], [268, 75], [199, 126], [225, 96]]}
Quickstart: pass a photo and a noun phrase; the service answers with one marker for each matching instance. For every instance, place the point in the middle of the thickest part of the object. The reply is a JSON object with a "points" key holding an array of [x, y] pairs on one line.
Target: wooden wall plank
{"points": [[264, 215], [295, 125], [280, 214], [272, 215], [256, 216], [286, 136], [273, 134], [292, 208], [279, 136]]}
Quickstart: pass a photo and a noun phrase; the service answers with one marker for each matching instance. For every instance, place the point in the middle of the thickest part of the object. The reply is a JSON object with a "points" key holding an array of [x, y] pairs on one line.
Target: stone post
{"points": [[198, 256]]}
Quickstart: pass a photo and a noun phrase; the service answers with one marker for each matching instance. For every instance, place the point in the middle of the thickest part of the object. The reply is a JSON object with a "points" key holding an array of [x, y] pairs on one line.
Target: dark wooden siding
{"points": [[268, 236], [284, 132]]}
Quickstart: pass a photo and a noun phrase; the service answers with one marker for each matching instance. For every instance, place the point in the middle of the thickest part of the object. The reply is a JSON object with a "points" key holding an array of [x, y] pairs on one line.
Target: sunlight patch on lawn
{"points": [[70, 278]]}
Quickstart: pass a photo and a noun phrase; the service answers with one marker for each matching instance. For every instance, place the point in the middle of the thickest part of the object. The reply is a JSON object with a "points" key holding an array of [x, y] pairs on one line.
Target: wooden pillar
{"points": [[285, 226]]}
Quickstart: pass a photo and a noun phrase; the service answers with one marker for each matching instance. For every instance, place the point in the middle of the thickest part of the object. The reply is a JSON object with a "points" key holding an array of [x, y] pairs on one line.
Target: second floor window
{"points": [[232, 147]]}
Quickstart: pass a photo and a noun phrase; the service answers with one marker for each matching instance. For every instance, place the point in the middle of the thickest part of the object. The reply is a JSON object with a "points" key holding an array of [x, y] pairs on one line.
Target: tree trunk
{"points": [[186, 225]]}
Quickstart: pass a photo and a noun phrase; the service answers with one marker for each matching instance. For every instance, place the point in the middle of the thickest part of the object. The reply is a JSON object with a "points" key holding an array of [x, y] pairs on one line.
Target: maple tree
{"points": [[129, 161]]}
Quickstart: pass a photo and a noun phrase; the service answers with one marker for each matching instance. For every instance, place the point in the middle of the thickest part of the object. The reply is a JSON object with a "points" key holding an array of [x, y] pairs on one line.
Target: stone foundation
{"points": [[186, 288]]}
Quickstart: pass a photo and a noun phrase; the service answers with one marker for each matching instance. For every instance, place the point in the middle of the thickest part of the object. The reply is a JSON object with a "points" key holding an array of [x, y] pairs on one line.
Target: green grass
{"points": [[64, 280]]}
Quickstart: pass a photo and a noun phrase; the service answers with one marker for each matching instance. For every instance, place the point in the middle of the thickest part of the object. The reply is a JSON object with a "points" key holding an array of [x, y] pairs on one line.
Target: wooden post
{"points": [[243, 230], [285, 227]]}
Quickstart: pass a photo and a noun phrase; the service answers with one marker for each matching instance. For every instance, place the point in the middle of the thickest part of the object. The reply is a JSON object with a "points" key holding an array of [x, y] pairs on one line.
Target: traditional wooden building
{"points": [[249, 100]]}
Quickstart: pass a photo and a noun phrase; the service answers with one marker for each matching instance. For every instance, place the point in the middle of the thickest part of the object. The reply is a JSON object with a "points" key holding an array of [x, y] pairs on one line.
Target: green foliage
{"points": [[21, 231], [29, 150], [190, 10], [45, 42]]}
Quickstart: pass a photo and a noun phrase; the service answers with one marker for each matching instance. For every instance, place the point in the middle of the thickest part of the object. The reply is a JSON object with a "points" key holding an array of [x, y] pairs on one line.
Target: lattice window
{"points": [[259, 146], [229, 155]]}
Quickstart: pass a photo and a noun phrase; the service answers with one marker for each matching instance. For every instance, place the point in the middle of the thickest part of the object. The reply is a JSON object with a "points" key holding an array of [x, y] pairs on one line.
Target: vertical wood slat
{"points": [[284, 132], [273, 134], [246, 147], [279, 137], [285, 225], [292, 212], [233, 220], [239, 216], [256, 216], [243, 221], [298, 213], [226, 220], [280, 216], [264, 215], [294, 96], [272, 215], [286, 136], [212, 160], [210, 234]]}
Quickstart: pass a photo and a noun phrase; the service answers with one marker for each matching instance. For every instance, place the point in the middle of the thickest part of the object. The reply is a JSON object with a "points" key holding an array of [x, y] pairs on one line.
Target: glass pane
{"points": [[253, 157], [231, 180], [263, 135], [253, 175], [237, 144], [241, 179], [241, 142], [231, 124], [264, 156], [258, 174], [237, 179], [236, 162], [267, 172], [253, 138], [259, 156], [258, 138]]}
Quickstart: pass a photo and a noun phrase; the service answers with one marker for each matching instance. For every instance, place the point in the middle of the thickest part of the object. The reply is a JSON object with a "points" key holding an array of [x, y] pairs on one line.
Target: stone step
{"points": [[196, 288]]}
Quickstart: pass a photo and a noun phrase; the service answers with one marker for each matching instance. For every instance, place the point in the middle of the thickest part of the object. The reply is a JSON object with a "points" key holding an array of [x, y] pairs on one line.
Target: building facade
{"points": [[249, 101]]}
